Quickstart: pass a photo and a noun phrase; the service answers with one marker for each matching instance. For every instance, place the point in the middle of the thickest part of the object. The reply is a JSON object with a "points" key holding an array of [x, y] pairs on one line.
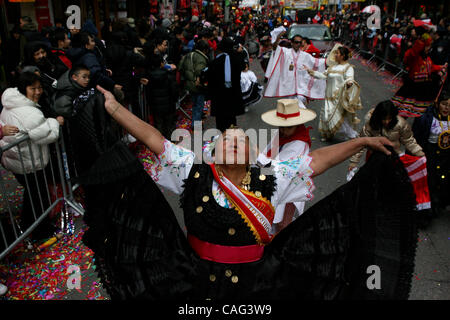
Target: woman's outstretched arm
{"points": [[139, 129], [327, 157]]}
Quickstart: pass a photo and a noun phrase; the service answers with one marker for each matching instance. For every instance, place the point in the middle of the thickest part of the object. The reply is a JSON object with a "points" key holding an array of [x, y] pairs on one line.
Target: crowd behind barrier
{"points": [[384, 48], [55, 197]]}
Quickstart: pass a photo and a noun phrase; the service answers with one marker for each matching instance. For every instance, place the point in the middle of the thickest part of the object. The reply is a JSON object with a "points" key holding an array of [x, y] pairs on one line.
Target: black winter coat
{"points": [[122, 61], [90, 60], [162, 91], [225, 100]]}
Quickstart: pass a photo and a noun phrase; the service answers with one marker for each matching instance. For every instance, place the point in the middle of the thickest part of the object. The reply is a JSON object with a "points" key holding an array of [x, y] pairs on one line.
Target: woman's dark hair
{"points": [[27, 79], [383, 110], [443, 96], [81, 39], [202, 46], [31, 48], [344, 52]]}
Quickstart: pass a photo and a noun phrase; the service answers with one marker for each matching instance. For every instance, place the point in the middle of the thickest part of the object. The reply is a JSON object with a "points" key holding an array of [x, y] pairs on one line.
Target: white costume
{"points": [[290, 150], [251, 89], [288, 78], [341, 103]]}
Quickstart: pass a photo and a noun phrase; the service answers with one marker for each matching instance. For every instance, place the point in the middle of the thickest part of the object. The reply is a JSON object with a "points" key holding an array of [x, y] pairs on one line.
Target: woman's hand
{"points": [[311, 73], [111, 104], [9, 130], [378, 144], [60, 120], [144, 81]]}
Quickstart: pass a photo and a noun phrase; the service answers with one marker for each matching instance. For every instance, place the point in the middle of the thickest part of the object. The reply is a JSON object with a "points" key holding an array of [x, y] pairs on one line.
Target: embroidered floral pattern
{"points": [[174, 159]]}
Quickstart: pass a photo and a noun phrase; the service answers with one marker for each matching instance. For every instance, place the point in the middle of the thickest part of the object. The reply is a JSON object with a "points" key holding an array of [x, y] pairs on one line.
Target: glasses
{"points": [[297, 42]]}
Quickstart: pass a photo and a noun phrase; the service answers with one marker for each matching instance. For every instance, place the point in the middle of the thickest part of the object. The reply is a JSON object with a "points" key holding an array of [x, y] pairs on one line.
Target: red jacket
{"points": [[312, 50], [419, 69]]}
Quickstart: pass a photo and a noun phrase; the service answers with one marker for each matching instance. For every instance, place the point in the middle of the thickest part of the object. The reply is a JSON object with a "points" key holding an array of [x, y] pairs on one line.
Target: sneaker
{"points": [[3, 289]]}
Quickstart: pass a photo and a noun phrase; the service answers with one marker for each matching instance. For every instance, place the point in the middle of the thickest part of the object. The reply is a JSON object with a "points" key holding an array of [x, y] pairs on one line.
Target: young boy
{"points": [[70, 86]]}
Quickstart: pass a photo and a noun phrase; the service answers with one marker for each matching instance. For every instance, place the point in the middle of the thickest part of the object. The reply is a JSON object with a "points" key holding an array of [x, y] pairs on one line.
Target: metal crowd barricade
{"points": [[11, 232], [178, 104], [372, 57]]}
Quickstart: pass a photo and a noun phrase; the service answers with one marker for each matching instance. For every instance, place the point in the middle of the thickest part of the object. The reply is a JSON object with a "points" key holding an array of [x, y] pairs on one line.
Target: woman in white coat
{"points": [[338, 115], [21, 109]]}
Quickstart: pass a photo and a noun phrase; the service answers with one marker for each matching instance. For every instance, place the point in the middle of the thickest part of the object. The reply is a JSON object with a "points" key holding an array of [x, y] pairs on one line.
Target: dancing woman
{"points": [[338, 114], [228, 211]]}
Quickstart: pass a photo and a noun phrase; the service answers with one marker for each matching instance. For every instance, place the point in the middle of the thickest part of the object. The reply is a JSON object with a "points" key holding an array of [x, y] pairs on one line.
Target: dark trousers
{"points": [[165, 122], [40, 204]]}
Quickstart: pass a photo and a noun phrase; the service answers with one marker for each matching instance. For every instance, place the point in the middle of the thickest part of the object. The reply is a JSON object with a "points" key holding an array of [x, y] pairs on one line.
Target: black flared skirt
{"points": [[413, 98], [357, 243]]}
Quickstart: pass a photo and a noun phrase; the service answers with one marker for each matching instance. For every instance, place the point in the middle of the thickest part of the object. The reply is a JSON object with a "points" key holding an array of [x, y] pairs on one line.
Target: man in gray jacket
{"points": [[191, 67]]}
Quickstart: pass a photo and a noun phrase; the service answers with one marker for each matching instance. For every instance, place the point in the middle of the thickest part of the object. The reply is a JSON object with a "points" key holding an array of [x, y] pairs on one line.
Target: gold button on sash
{"points": [[231, 231], [196, 175], [212, 278], [258, 194], [228, 273], [262, 177], [205, 198], [199, 209], [234, 279]]}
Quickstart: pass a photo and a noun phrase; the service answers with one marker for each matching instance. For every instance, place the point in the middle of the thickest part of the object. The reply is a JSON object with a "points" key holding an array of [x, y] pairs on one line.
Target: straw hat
{"points": [[287, 114]]}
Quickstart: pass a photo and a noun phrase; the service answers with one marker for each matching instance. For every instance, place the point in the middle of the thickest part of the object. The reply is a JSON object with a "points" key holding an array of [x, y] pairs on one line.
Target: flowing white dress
{"points": [[334, 118]]}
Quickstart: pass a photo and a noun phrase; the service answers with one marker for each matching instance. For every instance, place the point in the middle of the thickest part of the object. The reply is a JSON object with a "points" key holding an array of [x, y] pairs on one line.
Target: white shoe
{"points": [[3, 289]]}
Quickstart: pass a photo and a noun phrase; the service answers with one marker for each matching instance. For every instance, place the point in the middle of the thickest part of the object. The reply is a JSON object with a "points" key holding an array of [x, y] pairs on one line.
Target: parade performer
{"points": [[292, 141], [287, 77], [384, 121], [251, 89], [432, 131], [228, 211], [342, 99], [420, 87]]}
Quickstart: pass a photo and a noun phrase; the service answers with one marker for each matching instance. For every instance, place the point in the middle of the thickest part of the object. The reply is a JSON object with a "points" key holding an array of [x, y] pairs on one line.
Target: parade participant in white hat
{"points": [[292, 141]]}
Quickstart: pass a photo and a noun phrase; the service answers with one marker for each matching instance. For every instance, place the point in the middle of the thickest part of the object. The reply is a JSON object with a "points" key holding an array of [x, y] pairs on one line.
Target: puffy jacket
{"points": [[25, 114], [66, 92], [191, 67]]}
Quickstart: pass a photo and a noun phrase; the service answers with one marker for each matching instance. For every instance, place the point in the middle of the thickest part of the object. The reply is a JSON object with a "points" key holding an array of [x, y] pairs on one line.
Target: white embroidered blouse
{"points": [[171, 167]]}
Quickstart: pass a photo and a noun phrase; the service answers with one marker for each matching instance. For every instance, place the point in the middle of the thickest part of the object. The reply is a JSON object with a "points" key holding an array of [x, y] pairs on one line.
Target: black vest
{"points": [[213, 223]]}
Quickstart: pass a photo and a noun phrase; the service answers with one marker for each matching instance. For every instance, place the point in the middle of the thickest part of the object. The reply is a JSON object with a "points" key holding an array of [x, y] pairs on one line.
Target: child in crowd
{"points": [[71, 84]]}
